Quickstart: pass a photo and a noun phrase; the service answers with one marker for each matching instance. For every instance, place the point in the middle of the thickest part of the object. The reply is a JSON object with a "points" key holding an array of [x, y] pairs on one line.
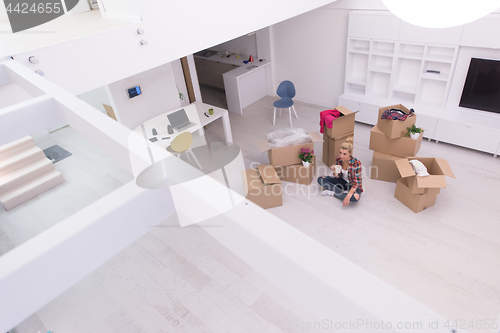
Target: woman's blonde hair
{"points": [[347, 144]]}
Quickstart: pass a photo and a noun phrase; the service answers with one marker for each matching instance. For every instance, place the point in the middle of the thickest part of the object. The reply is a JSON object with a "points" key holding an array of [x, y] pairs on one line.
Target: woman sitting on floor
{"points": [[346, 182]]}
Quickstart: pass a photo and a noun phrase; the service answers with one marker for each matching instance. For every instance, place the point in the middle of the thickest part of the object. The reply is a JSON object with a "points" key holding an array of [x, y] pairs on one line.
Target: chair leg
{"points": [[280, 112], [293, 107], [189, 151], [290, 114], [274, 118], [188, 157]]}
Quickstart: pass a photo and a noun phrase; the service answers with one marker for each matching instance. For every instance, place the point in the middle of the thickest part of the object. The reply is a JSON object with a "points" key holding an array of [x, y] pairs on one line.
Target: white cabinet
{"points": [[412, 33], [466, 135], [367, 114], [382, 25], [482, 33], [428, 123]]}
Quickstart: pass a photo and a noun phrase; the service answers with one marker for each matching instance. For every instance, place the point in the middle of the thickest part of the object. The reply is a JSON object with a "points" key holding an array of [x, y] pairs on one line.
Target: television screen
{"points": [[134, 91], [482, 86]]}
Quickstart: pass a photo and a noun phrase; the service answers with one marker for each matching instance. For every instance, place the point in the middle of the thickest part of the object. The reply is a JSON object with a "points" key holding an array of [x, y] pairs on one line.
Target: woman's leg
{"points": [[342, 195], [333, 184]]}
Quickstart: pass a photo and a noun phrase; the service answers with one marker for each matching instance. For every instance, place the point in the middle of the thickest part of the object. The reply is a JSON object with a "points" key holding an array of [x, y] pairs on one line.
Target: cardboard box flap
{"points": [[405, 168], [268, 174], [345, 111], [445, 167], [315, 137], [263, 146], [434, 181]]}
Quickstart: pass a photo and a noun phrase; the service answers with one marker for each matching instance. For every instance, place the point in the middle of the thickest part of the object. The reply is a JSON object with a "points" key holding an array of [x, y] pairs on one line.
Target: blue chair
{"points": [[286, 91]]}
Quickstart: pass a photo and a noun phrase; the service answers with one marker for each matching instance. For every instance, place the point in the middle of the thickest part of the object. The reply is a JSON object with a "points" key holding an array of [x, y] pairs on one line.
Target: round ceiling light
{"points": [[440, 13]]}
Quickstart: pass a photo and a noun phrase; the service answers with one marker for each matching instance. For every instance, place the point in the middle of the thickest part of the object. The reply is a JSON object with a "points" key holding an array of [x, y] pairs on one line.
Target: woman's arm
{"points": [[355, 180]]}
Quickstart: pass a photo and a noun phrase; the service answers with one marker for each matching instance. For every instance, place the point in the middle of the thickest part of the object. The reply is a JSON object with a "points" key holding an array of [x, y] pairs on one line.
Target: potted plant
{"points": [[306, 155], [414, 132]]}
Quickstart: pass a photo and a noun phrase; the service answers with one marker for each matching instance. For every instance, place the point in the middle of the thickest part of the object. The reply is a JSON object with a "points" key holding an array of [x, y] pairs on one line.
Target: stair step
{"points": [[15, 143], [20, 159], [32, 189], [25, 174], [15, 147]]}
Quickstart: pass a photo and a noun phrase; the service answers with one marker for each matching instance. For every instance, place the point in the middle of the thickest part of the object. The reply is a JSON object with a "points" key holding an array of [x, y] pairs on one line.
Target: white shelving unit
{"points": [[412, 73], [392, 62]]}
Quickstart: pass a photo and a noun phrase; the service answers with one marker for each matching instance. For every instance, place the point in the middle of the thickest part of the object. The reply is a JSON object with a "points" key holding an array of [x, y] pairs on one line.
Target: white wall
{"points": [[3, 13], [309, 50], [96, 98], [246, 45], [159, 95]]}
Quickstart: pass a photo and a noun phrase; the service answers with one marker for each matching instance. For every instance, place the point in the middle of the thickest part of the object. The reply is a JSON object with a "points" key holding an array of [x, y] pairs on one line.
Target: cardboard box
{"points": [[416, 202], [297, 173], [283, 156], [342, 125], [394, 129], [404, 146], [331, 148], [262, 186], [384, 167], [436, 167]]}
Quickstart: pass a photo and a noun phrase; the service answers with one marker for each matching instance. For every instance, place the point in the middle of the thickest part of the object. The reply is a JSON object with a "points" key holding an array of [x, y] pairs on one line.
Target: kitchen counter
{"points": [[244, 84]]}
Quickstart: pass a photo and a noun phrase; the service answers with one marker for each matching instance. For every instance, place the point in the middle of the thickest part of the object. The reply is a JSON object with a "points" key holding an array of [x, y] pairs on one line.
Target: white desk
{"points": [[195, 112]]}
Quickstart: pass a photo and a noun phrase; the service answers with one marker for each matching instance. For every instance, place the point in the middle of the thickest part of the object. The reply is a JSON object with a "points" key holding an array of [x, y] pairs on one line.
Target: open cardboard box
{"points": [[384, 167], [283, 156], [297, 173], [436, 167], [404, 146], [262, 186], [343, 124], [331, 148], [416, 202], [394, 129]]}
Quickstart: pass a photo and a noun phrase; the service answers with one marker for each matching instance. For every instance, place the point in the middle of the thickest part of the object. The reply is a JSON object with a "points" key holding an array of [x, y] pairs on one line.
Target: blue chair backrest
{"points": [[286, 90]]}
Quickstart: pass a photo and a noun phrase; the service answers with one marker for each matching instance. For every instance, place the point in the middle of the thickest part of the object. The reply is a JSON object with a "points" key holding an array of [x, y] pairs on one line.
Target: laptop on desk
{"points": [[179, 120]]}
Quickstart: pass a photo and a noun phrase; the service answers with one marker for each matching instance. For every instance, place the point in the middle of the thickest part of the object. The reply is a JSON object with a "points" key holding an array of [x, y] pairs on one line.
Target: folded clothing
{"points": [[285, 137], [396, 114], [419, 168], [327, 117]]}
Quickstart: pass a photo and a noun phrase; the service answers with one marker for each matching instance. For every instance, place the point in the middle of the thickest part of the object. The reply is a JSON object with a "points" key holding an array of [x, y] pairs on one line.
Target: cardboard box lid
{"points": [[345, 111], [438, 168], [268, 174], [264, 144]]}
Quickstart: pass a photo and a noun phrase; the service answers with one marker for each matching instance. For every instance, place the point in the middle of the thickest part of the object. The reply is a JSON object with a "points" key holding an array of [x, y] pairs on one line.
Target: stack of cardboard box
{"points": [[263, 184], [389, 144], [342, 128]]}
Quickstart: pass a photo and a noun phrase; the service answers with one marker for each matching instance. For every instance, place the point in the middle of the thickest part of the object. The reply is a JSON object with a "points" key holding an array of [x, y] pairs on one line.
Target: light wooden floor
{"points": [[181, 280], [446, 257]]}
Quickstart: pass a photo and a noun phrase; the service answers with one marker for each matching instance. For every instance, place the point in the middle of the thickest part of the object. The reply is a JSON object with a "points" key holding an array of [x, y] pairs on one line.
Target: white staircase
{"points": [[25, 172]]}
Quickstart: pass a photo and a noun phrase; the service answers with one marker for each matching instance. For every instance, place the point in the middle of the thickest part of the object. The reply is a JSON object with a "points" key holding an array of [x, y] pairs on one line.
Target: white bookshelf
{"points": [[412, 73]]}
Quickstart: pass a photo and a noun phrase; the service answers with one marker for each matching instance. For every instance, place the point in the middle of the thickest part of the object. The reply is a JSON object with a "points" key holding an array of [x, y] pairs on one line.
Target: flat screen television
{"points": [[134, 91], [482, 86]]}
